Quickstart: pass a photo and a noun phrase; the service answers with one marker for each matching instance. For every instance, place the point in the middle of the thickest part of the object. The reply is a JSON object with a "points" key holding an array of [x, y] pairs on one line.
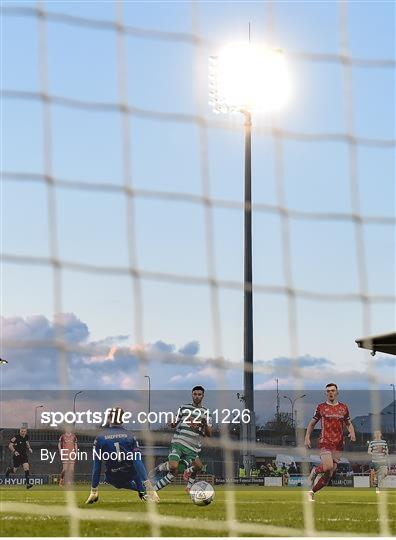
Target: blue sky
{"points": [[171, 76]]}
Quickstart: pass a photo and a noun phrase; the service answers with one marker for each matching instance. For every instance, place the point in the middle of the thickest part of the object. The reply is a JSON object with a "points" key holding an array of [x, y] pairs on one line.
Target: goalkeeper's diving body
{"points": [[193, 422], [124, 468]]}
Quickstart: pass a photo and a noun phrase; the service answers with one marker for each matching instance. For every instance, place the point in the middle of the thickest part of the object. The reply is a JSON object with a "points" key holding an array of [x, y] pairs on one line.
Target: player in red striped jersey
{"points": [[334, 416], [67, 447]]}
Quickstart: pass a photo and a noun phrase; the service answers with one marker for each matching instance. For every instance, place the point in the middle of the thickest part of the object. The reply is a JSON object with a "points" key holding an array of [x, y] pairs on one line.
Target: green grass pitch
{"points": [[339, 510]]}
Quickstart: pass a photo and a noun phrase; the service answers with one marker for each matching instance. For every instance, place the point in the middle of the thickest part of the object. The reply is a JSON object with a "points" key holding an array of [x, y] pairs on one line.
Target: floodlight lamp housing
{"points": [[248, 78]]}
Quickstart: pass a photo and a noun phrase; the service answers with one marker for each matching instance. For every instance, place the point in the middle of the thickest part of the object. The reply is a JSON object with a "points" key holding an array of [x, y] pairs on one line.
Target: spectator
{"points": [[356, 468], [278, 471], [285, 475]]}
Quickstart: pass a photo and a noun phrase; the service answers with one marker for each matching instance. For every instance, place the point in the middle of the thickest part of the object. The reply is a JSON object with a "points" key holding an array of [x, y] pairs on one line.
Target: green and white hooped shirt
{"points": [[185, 434], [379, 451]]}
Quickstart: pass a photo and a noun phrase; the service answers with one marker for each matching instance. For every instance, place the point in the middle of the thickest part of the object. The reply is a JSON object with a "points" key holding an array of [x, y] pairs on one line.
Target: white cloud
{"points": [[207, 372]]}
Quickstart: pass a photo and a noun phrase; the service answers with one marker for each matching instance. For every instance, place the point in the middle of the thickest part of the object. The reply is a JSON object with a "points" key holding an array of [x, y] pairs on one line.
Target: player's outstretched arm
{"points": [[93, 497], [143, 484], [97, 465], [308, 433], [175, 420], [351, 431], [207, 429]]}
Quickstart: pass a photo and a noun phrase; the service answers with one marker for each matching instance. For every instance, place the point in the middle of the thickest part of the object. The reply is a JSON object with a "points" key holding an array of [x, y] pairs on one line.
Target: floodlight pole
{"points": [[74, 405], [149, 396], [35, 414], [248, 388], [292, 403]]}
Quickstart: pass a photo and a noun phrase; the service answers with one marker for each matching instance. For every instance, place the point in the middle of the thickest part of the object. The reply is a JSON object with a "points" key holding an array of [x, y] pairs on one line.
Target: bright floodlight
{"points": [[247, 77]]}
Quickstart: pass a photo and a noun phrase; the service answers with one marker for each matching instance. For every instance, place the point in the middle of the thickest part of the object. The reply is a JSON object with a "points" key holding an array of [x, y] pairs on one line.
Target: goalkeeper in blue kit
{"points": [[124, 468]]}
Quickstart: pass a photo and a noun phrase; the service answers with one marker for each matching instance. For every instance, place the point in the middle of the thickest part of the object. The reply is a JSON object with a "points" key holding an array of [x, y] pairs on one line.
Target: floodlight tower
{"points": [[35, 414], [245, 78]]}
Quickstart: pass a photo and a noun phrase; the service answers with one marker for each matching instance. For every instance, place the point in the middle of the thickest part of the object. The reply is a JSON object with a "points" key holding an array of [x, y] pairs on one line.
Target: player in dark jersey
{"points": [[20, 447], [333, 416], [124, 468]]}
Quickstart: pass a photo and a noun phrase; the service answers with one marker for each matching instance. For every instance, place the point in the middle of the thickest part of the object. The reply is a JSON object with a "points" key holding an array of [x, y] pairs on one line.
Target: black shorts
{"points": [[19, 460]]}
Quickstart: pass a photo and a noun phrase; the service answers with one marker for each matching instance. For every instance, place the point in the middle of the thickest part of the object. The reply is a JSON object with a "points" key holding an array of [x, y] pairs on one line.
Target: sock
{"points": [[380, 478], [63, 474], [163, 467], [26, 477], [318, 469], [164, 481], [320, 482], [191, 480]]}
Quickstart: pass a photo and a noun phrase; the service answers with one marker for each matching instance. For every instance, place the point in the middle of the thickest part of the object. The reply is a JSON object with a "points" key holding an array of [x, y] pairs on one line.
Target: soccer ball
{"points": [[202, 493]]}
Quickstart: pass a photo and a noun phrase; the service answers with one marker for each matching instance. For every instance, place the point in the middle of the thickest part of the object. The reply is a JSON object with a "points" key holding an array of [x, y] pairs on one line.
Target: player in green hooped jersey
{"points": [[378, 450], [193, 422]]}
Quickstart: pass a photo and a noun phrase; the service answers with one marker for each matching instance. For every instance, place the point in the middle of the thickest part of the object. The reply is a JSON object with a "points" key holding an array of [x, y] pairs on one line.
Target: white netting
{"points": [[210, 280]]}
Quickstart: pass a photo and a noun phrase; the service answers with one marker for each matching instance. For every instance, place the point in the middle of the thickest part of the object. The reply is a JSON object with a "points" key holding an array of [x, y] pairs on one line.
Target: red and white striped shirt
{"points": [[67, 443]]}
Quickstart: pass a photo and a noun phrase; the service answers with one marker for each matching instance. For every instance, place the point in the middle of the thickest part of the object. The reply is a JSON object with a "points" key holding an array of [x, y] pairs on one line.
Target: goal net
{"points": [[123, 201]]}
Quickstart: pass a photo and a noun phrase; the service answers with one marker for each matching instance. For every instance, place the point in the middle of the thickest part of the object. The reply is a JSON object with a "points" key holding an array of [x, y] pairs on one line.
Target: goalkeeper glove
{"points": [[93, 496], [149, 496], [148, 486]]}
